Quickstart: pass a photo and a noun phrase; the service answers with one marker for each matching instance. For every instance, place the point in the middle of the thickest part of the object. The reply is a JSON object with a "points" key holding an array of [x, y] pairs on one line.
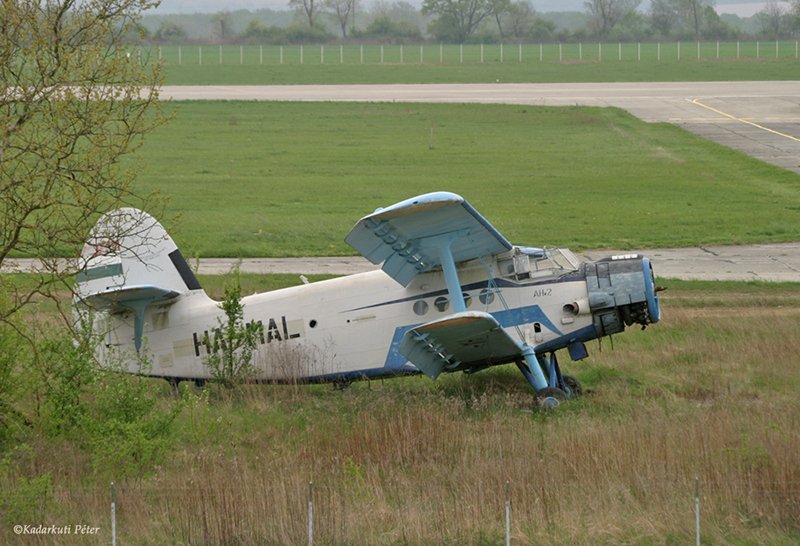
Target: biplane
{"points": [[452, 295]]}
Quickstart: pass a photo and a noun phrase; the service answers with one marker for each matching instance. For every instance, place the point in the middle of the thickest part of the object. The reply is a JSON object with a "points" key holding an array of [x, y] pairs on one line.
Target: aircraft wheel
{"points": [[551, 397], [573, 385]]}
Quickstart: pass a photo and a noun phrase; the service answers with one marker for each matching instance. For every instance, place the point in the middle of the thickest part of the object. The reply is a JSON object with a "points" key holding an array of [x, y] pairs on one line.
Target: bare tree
{"points": [[772, 19], [309, 7], [73, 103], [605, 14], [341, 10]]}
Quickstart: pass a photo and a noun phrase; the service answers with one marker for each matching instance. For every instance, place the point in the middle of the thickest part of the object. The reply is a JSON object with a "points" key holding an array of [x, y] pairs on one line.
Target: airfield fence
{"points": [[318, 513], [444, 54]]}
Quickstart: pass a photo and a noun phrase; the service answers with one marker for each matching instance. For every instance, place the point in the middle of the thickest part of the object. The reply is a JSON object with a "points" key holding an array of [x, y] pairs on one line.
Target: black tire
{"points": [[551, 397], [574, 386]]}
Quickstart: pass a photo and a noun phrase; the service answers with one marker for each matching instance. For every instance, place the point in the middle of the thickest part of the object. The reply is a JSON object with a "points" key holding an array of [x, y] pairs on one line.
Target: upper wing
{"points": [[405, 237]]}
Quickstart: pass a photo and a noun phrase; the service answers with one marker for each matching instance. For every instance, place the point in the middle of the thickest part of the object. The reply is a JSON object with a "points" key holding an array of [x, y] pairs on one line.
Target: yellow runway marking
{"points": [[743, 120]]}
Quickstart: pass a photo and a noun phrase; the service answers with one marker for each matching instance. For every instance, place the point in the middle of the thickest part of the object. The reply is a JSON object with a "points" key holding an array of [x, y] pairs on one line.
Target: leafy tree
{"points": [[456, 20], [521, 22], [170, 32], [223, 25], [234, 342], [72, 105], [385, 28]]}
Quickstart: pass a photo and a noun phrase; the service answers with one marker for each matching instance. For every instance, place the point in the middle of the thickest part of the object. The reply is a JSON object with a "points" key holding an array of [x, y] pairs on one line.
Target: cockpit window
{"points": [[536, 263]]}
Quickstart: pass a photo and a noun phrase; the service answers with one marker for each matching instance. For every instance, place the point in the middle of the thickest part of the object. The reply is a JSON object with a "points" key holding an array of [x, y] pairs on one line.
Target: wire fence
{"points": [[448, 54], [315, 513]]}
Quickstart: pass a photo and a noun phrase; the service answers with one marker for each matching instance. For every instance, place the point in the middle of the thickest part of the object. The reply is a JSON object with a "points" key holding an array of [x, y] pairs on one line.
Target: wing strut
{"points": [[443, 245]]}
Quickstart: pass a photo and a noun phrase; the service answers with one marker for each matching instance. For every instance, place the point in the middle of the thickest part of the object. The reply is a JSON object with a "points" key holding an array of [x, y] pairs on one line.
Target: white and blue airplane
{"points": [[452, 295]]}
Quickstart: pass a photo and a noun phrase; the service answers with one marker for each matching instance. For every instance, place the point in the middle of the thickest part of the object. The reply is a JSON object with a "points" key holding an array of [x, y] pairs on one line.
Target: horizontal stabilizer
{"points": [[460, 341], [407, 237]]}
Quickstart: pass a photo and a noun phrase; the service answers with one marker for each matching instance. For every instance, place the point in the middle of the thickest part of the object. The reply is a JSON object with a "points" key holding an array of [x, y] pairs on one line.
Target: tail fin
{"points": [[130, 262]]}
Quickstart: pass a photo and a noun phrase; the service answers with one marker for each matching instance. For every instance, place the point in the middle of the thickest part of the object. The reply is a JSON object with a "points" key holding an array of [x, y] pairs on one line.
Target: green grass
{"points": [[590, 62], [709, 392], [291, 179]]}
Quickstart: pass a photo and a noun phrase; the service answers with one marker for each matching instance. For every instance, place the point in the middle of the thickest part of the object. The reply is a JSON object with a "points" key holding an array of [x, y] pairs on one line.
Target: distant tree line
{"points": [[472, 21]]}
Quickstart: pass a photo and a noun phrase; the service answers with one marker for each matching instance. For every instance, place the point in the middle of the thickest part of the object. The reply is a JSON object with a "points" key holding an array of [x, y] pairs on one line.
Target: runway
{"points": [[761, 119]]}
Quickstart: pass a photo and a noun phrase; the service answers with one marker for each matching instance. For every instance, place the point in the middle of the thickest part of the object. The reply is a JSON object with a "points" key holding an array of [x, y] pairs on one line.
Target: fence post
{"points": [[199, 54], [697, 510], [717, 49], [600, 51], [179, 55], [481, 53], [310, 513], [461, 53], [281, 54], [508, 514], [619, 50], [639, 51], [361, 53], [341, 54], [322, 54], [113, 515], [241, 55], [301, 53], [421, 54], [220, 54], [698, 50], [580, 51], [679, 50], [758, 50], [381, 53], [776, 48], [658, 54], [520, 52], [540, 52], [261, 54], [501, 52], [401, 53], [441, 53], [560, 52]]}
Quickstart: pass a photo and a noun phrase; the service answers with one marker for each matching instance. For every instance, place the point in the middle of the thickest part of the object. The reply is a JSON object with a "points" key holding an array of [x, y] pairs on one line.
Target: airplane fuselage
{"points": [[350, 327]]}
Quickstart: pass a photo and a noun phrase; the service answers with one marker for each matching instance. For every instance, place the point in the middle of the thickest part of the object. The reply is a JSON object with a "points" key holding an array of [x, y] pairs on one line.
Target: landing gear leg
{"points": [[553, 389], [173, 384], [531, 369]]}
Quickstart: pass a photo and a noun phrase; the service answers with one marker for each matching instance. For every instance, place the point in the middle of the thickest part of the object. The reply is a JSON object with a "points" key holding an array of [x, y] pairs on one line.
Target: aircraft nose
{"points": [[622, 291]]}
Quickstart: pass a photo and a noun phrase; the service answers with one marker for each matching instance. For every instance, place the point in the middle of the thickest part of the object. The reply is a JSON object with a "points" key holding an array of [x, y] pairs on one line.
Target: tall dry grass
{"points": [[709, 393]]}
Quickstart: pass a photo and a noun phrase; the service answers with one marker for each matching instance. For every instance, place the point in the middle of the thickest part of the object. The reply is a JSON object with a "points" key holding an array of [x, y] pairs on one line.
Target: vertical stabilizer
{"points": [[130, 262]]}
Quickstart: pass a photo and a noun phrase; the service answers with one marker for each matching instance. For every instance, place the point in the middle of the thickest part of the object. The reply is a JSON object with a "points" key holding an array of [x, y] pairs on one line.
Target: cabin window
{"points": [[486, 296], [441, 303], [467, 300], [420, 307]]}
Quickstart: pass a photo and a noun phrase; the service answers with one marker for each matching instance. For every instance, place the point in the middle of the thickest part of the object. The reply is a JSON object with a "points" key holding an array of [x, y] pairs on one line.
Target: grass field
{"points": [[431, 63], [708, 393], [291, 179]]}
